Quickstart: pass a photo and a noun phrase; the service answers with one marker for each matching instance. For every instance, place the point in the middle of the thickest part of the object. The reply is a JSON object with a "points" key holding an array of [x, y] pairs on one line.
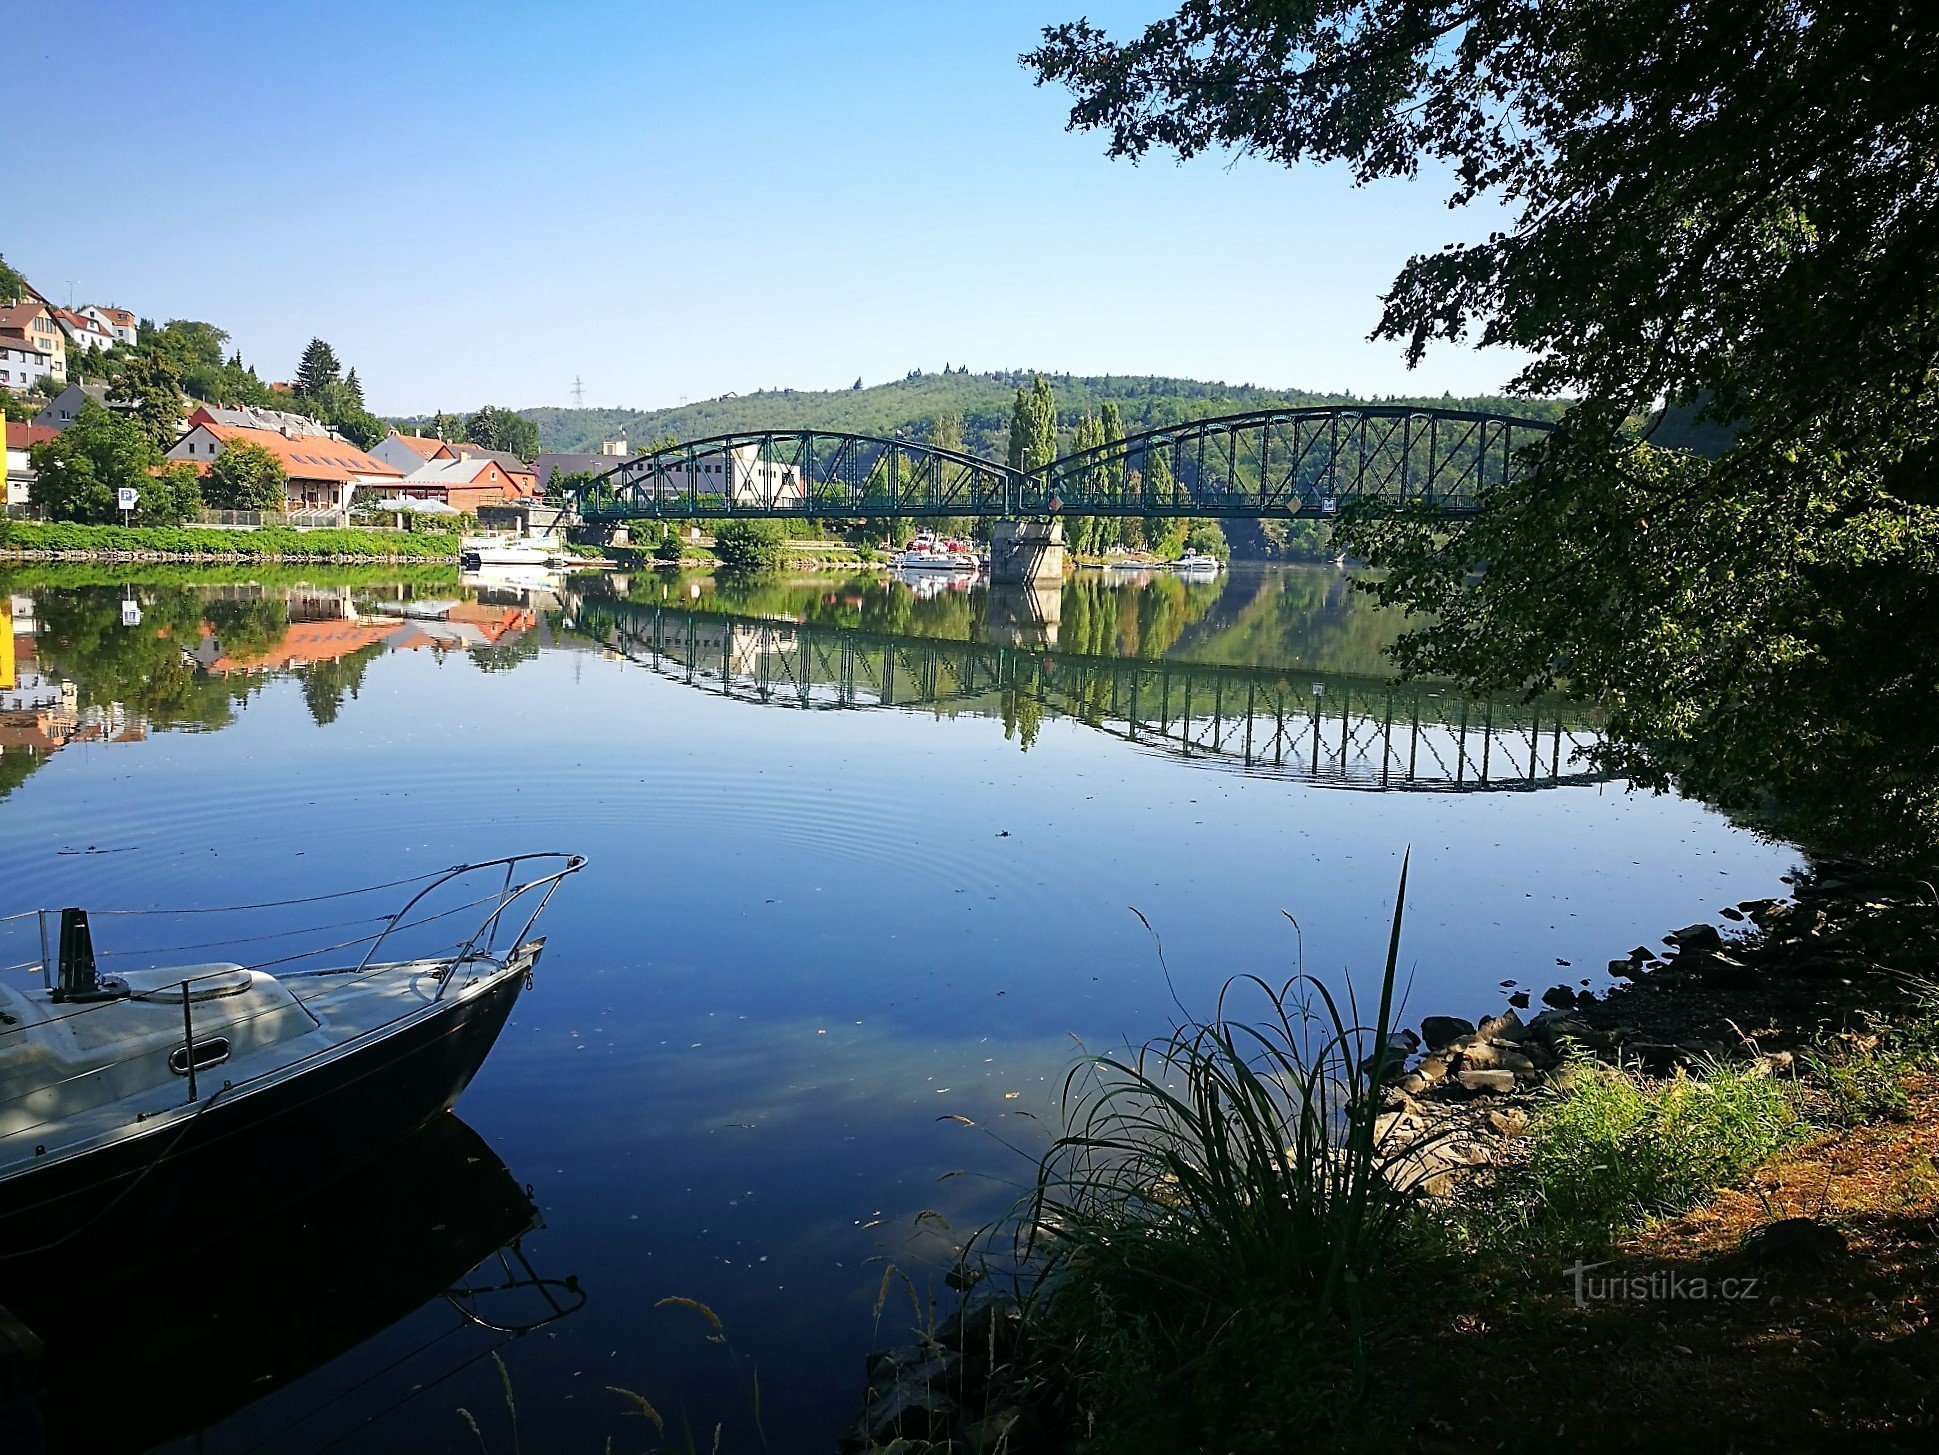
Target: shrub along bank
{"points": [[29, 540]]}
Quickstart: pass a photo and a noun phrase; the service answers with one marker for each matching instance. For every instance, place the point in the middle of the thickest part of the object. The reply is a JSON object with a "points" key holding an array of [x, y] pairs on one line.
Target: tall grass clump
{"points": [[1207, 1229], [1606, 1153]]}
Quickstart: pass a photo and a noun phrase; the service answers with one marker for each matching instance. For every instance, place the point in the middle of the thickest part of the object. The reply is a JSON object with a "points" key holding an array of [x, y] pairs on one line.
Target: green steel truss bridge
{"points": [[1295, 463], [1339, 731]]}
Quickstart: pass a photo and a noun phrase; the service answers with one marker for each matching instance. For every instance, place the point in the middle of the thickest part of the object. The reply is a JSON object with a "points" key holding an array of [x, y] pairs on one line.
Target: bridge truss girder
{"points": [[1285, 463]]}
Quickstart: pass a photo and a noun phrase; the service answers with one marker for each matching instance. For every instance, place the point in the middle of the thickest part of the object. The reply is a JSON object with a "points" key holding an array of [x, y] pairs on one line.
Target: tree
{"points": [[13, 286], [245, 476], [750, 545], [78, 473], [493, 428], [318, 371], [1725, 205], [149, 384], [353, 388], [1207, 537]]}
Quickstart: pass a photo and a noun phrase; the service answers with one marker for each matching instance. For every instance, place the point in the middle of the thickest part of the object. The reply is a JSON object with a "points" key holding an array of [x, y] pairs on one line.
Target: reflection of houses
{"points": [[304, 644], [456, 625], [40, 714], [335, 632]]}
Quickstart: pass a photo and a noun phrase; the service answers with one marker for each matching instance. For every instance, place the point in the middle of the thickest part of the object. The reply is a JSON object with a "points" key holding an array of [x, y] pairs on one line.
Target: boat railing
{"points": [[524, 889]]}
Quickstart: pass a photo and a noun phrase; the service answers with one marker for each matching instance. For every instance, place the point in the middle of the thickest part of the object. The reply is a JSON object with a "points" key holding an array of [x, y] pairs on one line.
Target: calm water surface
{"points": [[864, 857]]}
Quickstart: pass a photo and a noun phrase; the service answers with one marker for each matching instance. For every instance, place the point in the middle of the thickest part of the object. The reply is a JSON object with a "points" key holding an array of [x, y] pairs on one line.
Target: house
{"points": [[323, 472], [408, 451], [20, 471], [245, 417], [466, 483], [117, 321], [738, 474], [83, 332], [64, 407], [31, 339], [612, 453]]}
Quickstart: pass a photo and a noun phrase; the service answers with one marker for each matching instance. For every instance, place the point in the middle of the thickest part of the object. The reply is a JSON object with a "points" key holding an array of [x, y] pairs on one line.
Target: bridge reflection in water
{"points": [[1333, 730]]}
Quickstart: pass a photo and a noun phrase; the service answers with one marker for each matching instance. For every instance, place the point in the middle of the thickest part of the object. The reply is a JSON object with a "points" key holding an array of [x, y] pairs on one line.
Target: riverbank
{"points": [[26, 541], [1702, 1205]]}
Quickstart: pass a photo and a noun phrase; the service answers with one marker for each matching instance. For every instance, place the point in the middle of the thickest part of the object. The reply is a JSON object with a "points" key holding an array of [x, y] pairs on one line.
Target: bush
{"points": [[246, 544], [750, 545], [1607, 1153]]}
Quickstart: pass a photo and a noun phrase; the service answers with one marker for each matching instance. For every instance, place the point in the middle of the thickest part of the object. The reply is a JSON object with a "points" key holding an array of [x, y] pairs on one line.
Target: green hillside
{"points": [[983, 401]]}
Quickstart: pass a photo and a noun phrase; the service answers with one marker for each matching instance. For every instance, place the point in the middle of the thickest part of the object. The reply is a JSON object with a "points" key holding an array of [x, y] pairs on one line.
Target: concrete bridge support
{"points": [[1027, 553]]}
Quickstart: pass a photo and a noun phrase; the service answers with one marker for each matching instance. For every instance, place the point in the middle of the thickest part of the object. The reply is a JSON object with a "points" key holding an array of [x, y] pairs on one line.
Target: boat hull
{"points": [[263, 1146]]}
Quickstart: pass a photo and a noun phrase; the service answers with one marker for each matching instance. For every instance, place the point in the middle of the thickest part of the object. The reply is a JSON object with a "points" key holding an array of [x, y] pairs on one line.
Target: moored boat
{"points": [[1194, 564], [123, 1091], [929, 553]]}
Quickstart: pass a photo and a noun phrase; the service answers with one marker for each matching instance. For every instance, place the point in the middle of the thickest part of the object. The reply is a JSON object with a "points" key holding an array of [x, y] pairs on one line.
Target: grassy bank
{"points": [[1241, 1241], [33, 540]]}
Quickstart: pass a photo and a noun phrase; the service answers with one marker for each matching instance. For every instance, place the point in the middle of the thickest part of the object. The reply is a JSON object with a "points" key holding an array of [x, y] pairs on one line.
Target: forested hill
{"points": [[983, 401]]}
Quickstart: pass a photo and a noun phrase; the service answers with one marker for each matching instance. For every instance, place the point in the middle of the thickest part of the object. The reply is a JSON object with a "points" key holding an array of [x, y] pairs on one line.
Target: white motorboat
{"points": [[526, 551], [928, 553], [1194, 564], [170, 1076]]}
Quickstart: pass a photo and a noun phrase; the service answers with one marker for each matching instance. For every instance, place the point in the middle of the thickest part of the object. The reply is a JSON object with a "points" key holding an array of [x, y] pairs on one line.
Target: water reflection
{"points": [[1337, 730], [1211, 672], [248, 1302]]}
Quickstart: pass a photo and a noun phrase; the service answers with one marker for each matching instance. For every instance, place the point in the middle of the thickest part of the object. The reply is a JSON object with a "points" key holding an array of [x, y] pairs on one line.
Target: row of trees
{"points": [[1033, 443], [490, 428]]}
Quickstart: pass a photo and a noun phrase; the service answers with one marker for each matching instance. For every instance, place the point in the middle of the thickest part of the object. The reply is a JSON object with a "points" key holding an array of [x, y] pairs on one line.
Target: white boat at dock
{"points": [[929, 553]]}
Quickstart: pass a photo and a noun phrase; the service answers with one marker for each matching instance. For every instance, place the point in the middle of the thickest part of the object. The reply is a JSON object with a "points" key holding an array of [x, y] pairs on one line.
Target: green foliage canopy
{"points": [[245, 476], [79, 471], [1707, 202]]}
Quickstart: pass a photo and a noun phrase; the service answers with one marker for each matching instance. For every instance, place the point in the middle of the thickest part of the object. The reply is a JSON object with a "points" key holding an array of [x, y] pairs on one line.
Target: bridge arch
{"points": [[801, 472], [1290, 462]]}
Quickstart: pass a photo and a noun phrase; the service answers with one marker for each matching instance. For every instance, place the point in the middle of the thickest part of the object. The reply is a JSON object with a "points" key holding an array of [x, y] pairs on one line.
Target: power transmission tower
{"points": [[578, 392]]}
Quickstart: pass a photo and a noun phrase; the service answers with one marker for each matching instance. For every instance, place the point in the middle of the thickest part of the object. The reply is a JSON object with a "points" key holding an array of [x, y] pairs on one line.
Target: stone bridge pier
{"points": [[1027, 552]]}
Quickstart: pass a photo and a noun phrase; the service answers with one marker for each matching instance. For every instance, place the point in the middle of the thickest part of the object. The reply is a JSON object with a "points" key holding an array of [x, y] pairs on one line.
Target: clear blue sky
{"points": [[475, 202]]}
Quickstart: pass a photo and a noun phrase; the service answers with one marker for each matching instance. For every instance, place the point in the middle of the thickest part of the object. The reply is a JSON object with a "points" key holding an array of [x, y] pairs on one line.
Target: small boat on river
{"points": [[531, 552], [127, 1086], [928, 553], [1194, 564]]}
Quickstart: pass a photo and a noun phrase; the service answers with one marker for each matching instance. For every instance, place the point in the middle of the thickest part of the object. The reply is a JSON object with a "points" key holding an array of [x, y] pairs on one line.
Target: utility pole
{"points": [[578, 392]]}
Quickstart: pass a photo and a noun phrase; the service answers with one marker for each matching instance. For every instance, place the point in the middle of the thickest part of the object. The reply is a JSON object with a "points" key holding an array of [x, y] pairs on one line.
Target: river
{"points": [[864, 865]]}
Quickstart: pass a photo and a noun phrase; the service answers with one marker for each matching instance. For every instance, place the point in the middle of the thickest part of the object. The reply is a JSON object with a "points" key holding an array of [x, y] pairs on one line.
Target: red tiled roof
{"points": [[24, 436], [418, 444], [304, 458]]}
